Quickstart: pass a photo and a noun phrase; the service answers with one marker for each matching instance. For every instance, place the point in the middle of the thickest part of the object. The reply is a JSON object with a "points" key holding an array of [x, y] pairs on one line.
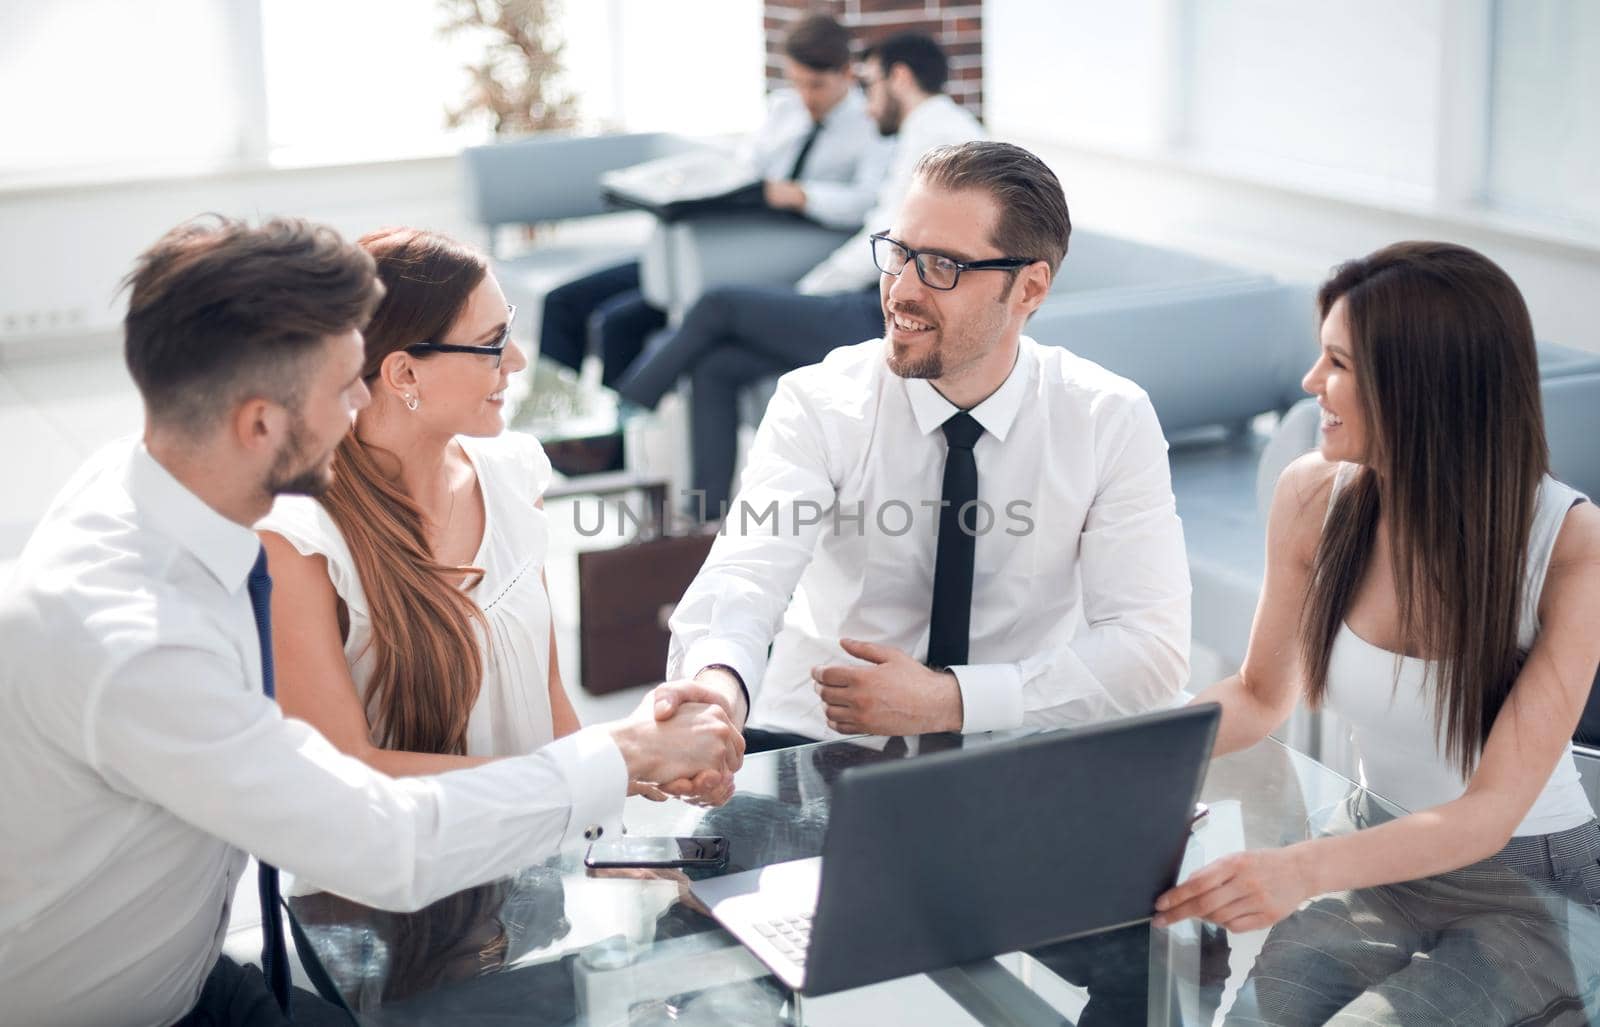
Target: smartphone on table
{"points": [[645, 851]]}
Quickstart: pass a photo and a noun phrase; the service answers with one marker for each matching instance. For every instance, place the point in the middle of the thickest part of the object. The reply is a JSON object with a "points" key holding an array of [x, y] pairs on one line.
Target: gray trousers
{"points": [[731, 337], [1513, 939]]}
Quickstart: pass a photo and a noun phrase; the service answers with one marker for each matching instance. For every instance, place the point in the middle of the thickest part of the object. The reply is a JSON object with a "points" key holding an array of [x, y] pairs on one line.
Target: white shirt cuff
{"points": [[597, 779], [710, 651], [991, 696]]}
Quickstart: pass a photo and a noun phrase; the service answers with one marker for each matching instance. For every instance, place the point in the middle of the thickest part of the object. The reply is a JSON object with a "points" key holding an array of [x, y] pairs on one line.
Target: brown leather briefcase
{"points": [[625, 596]]}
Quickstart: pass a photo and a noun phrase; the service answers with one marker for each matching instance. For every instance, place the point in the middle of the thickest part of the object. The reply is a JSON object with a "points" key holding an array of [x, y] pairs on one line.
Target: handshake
{"points": [[684, 740]]}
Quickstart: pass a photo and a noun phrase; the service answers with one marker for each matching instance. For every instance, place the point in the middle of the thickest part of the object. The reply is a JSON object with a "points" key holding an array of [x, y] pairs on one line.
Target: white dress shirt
{"points": [[936, 121], [511, 714], [140, 760], [846, 165], [1080, 599]]}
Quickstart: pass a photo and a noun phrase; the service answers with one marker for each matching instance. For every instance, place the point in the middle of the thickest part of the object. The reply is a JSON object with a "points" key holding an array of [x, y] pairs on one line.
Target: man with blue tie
{"points": [[141, 753]]}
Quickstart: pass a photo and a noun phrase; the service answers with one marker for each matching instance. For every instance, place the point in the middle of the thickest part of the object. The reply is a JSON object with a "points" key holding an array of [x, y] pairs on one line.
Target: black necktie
{"points": [[805, 151], [274, 953], [952, 564]]}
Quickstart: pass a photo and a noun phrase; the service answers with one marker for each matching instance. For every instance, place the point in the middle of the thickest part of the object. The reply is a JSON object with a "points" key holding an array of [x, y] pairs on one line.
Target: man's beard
{"points": [[929, 365], [966, 342], [889, 121], [292, 475]]}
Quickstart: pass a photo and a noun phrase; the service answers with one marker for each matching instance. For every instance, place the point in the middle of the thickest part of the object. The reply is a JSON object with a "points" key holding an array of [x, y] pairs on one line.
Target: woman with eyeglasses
{"points": [[411, 623]]}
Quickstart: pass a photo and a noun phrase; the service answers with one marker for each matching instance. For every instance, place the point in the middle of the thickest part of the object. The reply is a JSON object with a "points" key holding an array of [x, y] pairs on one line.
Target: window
{"points": [[133, 87], [91, 85], [1544, 137], [1431, 104], [1342, 94], [362, 79]]}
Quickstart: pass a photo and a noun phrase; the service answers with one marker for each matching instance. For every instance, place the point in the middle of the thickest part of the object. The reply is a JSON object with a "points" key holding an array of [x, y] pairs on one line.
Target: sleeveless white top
{"points": [[1385, 698], [512, 713]]}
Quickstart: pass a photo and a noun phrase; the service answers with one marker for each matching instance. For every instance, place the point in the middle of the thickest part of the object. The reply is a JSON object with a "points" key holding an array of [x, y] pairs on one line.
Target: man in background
{"points": [[735, 335], [819, 155]]}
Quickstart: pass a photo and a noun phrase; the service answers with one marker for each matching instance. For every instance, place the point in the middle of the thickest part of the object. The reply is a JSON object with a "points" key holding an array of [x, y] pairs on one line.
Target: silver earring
{"points": [[411, 402]]}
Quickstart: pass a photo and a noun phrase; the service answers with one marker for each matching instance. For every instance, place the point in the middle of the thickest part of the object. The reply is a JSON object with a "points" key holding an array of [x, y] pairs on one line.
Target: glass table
{"points": [[558, 944]]}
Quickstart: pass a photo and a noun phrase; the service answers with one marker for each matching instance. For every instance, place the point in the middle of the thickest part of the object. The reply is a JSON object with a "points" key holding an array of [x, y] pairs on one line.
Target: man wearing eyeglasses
{"points": [[736, 335], [951, 528]]}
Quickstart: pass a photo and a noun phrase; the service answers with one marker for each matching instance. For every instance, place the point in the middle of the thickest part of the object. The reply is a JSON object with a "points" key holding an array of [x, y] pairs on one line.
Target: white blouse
{"points": [[512, 713], [1387, 700]]}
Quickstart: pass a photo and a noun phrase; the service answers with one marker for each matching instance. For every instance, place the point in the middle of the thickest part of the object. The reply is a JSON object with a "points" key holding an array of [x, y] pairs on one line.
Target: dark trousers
{"points": [[731, 337], [602, 312], [236, 995], [760, 740]]}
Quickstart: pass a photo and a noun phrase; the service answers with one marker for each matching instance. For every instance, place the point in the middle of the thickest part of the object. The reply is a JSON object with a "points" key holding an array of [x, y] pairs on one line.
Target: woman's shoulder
{"points": [[305, 523], [1578, 541], [512, 457], [1307, 485], [1302, 498]]}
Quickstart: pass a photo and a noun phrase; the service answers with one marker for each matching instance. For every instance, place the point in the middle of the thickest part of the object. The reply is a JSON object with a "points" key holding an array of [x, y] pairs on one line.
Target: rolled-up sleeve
{"points": [[173, 726]]}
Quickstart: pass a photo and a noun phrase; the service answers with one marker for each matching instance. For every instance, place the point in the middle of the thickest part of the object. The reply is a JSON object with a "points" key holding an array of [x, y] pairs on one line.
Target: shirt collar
{"points": [[996, 414], [844, 108], [930, 109], [225, 548]]}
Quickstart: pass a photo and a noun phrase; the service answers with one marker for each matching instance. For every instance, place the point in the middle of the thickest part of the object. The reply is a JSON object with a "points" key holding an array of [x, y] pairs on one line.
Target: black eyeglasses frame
{"points": [[496, 349], [914, 257]]}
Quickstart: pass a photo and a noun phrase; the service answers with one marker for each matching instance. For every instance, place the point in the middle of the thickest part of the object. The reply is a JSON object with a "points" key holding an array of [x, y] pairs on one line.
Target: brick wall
{"points": [[956, 24]]}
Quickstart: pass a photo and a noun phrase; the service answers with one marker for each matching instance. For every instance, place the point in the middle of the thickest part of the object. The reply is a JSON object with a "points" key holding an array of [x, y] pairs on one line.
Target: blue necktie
{"points": [[274, 953]]}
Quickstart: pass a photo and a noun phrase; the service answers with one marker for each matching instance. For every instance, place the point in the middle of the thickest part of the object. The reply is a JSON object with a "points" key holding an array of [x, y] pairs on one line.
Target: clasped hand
{"points": [[699, 741], [892, 695]]}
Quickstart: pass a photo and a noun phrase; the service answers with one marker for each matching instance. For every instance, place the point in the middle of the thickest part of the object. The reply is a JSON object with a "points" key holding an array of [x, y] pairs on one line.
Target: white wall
{"points": [[1298, 235], [67, 247], [1371, 128], [63, 389]]}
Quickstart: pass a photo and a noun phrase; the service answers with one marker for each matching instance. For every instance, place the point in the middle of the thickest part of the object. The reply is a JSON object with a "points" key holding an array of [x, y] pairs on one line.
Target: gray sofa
{"points": [[1219, 361], [688, 257], [1213, 359], [553, 182], [1111, 290]]}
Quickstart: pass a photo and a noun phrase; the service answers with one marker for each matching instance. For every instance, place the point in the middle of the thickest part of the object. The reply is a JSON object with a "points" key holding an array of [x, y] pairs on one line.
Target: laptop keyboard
{"points": [[791, 935]]}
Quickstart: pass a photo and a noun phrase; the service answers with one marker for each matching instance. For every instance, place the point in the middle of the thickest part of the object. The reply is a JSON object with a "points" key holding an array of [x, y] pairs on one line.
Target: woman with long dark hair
{"points": [[1430, 582], [411, 620]]}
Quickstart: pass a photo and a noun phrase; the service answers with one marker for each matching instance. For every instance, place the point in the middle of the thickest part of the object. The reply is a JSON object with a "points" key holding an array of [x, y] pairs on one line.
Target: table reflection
{"points": [[558, 944]]}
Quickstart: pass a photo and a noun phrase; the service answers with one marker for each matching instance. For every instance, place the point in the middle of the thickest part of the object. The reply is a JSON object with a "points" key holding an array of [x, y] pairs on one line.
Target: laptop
{"points": [[966, 854], [695, 182]]}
